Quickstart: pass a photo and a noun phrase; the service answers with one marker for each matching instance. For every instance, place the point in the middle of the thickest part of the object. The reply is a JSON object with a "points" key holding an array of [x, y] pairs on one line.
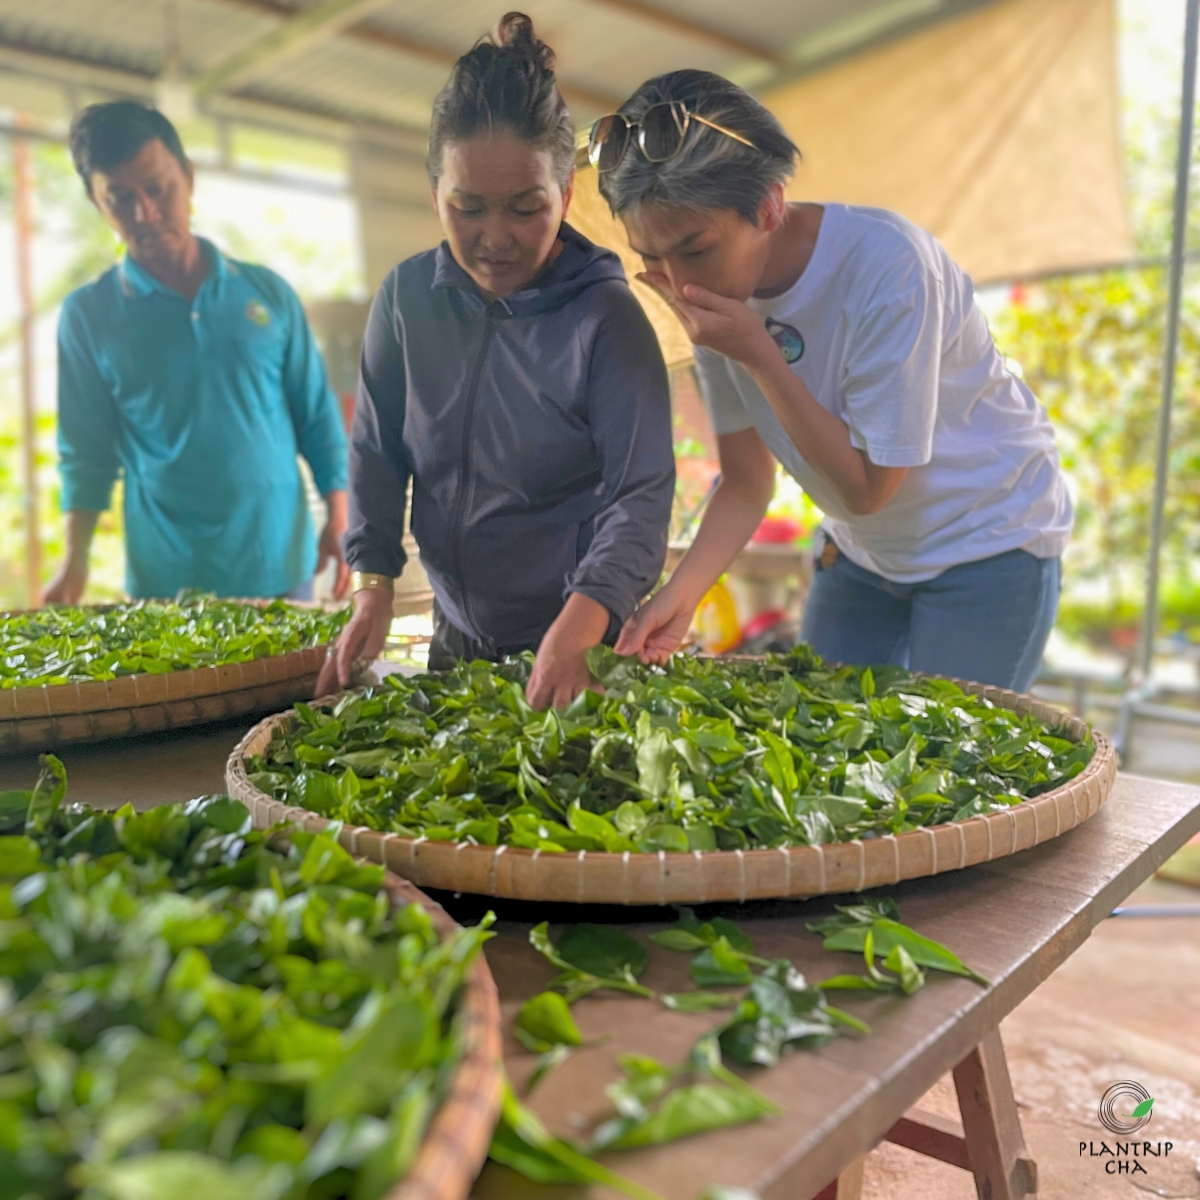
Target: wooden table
{"points": [[1014, 920], [158, 768]]}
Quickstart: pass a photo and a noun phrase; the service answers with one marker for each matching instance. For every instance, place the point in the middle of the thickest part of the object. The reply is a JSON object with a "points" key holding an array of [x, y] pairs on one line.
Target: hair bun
{"points": [[515, 32]]}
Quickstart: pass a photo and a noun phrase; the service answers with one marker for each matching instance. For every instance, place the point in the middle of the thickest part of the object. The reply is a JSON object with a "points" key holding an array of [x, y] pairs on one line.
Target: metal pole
{"points": [[23, 194], [1140, 689], [1171, 342]]}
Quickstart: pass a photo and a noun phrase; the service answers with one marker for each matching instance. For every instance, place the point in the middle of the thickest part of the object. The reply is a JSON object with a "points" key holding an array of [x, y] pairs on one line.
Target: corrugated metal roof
{"points": [[388, 67]]}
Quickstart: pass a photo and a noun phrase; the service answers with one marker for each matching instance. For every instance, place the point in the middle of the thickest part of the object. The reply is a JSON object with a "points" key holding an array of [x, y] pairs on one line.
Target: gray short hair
{"points": [[712, 171]]}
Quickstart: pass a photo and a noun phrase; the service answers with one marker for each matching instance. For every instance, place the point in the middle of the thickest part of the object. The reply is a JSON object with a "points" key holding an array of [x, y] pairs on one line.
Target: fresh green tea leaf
{"points": [[684, 941], [697, 1002], [703, 755], [47, 795], [198, 1008], [522, 1143], [887, 934], [602, 950], [720, 965], [547, 1017]]}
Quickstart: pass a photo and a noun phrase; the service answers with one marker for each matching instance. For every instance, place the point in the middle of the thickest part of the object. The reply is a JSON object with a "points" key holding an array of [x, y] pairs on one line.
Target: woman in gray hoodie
{"points": [[512, 375]]}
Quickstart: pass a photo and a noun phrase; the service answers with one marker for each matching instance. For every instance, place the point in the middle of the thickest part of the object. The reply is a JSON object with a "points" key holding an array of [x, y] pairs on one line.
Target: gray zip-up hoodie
{"points": [[536, 430]]}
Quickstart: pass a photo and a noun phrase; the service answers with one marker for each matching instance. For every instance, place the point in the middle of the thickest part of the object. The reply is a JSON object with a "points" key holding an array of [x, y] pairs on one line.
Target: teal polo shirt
{"points": [[203, 407]]}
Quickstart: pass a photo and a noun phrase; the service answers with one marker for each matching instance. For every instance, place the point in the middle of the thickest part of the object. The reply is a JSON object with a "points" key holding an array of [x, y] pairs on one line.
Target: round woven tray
{"points": [[40, 718], [590, 877], [458, 1135]]}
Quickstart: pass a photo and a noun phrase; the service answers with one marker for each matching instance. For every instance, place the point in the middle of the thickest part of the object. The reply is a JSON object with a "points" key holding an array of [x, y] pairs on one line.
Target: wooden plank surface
{"points": [[1014, 920], [160, 768]]}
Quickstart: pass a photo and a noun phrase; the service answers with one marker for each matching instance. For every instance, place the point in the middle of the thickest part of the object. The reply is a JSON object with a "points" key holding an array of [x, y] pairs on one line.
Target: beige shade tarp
{"points": [[996, 130]]}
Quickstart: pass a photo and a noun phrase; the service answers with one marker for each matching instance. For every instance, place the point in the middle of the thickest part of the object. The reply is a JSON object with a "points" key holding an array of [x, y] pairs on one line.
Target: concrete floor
{"points": [[1125, 1006]]}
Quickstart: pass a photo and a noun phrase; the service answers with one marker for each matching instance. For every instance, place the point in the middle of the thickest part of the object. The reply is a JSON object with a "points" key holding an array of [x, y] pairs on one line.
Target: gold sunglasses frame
{"points": [[595, 148]]}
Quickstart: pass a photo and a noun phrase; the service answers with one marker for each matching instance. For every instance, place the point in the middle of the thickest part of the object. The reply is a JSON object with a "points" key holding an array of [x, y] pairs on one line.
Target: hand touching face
{"points": [[714, 249]]}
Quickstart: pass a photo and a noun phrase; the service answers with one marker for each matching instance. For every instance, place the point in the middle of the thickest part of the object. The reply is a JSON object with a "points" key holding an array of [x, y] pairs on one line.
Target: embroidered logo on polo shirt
{"points": [[257, 312], [789, 341]]}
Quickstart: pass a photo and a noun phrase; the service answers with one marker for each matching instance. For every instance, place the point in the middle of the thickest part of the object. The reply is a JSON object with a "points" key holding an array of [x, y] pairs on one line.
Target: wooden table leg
{"points": [[989, 1142], [847, 1186], [991, 1125]]}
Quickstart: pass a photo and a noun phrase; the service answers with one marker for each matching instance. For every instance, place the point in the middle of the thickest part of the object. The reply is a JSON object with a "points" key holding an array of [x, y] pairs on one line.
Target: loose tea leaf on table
{"points": [[650, 1111], [700, 755], [598, 946], [521, 1142], [849, 928]]}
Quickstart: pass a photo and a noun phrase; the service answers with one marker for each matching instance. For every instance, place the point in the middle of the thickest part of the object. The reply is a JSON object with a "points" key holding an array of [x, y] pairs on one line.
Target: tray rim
{"points": [[44, 716], [699, 877], [456, 1140]]}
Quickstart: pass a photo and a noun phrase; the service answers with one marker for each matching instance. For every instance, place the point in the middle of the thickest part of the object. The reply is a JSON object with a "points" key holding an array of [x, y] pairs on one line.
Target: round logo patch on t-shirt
{"points": [[789, 341], [257, 312]]}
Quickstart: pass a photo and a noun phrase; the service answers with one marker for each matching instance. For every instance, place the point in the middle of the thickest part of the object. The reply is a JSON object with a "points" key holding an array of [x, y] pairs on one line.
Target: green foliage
{"points": [[592, 957], [522, 1142], [1090, 347], [874, 926], [546, 1020], [68, 645], [652, 1108], [703, 755], [194, 1008]]}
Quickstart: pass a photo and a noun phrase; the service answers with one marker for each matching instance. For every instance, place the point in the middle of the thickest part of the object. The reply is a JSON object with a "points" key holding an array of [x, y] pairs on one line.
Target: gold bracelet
{"points": [[365, 581]]}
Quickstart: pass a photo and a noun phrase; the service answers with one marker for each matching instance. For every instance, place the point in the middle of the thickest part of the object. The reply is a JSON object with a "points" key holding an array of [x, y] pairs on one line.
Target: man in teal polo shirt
{"points": [[196, 377]]}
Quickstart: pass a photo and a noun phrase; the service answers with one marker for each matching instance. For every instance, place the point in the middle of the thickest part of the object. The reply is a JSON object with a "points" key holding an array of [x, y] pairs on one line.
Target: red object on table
{"points": [[777, 530], [758, 625]]}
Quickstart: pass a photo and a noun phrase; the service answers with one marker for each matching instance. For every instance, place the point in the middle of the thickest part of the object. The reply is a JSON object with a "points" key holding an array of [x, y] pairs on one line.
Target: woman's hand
{"points": [[658, 628], [361, 640], [560, 671], [729, 327]]}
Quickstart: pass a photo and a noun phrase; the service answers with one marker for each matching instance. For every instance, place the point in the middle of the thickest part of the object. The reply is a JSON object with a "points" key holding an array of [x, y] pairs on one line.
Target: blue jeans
{"points": [[986, 621], [302, 591]]}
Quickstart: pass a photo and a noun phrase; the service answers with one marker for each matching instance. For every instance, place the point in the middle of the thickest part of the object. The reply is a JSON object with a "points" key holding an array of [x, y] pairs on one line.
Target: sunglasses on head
{"points": [[660, 134]]}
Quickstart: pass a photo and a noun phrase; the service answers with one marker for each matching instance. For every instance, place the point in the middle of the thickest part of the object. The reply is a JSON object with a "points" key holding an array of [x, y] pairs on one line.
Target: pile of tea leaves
{"points": [[73, 645], [191, 1008], [703, 754]]}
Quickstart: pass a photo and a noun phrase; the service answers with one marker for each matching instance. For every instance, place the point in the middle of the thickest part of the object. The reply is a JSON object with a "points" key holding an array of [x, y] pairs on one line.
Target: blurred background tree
{"points": [[1090, 347]]}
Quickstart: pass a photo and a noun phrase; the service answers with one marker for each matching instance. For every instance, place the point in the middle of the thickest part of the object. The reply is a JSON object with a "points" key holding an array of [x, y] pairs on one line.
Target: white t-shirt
{"points": [[883, 329]]}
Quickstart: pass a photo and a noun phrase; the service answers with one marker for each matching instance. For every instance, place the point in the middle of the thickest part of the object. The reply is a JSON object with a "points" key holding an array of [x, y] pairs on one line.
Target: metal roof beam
{"points": [[381, 37], [301, 30], [722, 39], [309, 120]]}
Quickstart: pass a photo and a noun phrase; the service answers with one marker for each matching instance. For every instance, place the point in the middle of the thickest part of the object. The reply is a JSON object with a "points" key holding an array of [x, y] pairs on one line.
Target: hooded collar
{"points": [[579, 264], [137, 281]]}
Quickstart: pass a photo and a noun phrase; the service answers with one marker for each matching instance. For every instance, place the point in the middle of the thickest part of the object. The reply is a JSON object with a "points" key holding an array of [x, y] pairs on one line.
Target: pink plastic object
{"points": [[778, 530]]}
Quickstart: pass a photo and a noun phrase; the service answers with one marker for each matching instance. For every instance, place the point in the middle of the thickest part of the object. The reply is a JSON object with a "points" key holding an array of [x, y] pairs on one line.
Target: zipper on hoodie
{"points": [[466, 460]]}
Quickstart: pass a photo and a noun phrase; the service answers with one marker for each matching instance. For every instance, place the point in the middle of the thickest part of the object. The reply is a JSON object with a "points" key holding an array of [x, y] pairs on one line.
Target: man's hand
{"points": [[68, 585], [729, 327], [658, 628], [361, 640], [560, 671], [330, 545]]}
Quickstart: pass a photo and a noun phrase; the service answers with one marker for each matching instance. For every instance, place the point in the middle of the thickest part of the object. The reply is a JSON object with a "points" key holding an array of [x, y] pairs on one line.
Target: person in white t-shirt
{"points": [[844, 342]]}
